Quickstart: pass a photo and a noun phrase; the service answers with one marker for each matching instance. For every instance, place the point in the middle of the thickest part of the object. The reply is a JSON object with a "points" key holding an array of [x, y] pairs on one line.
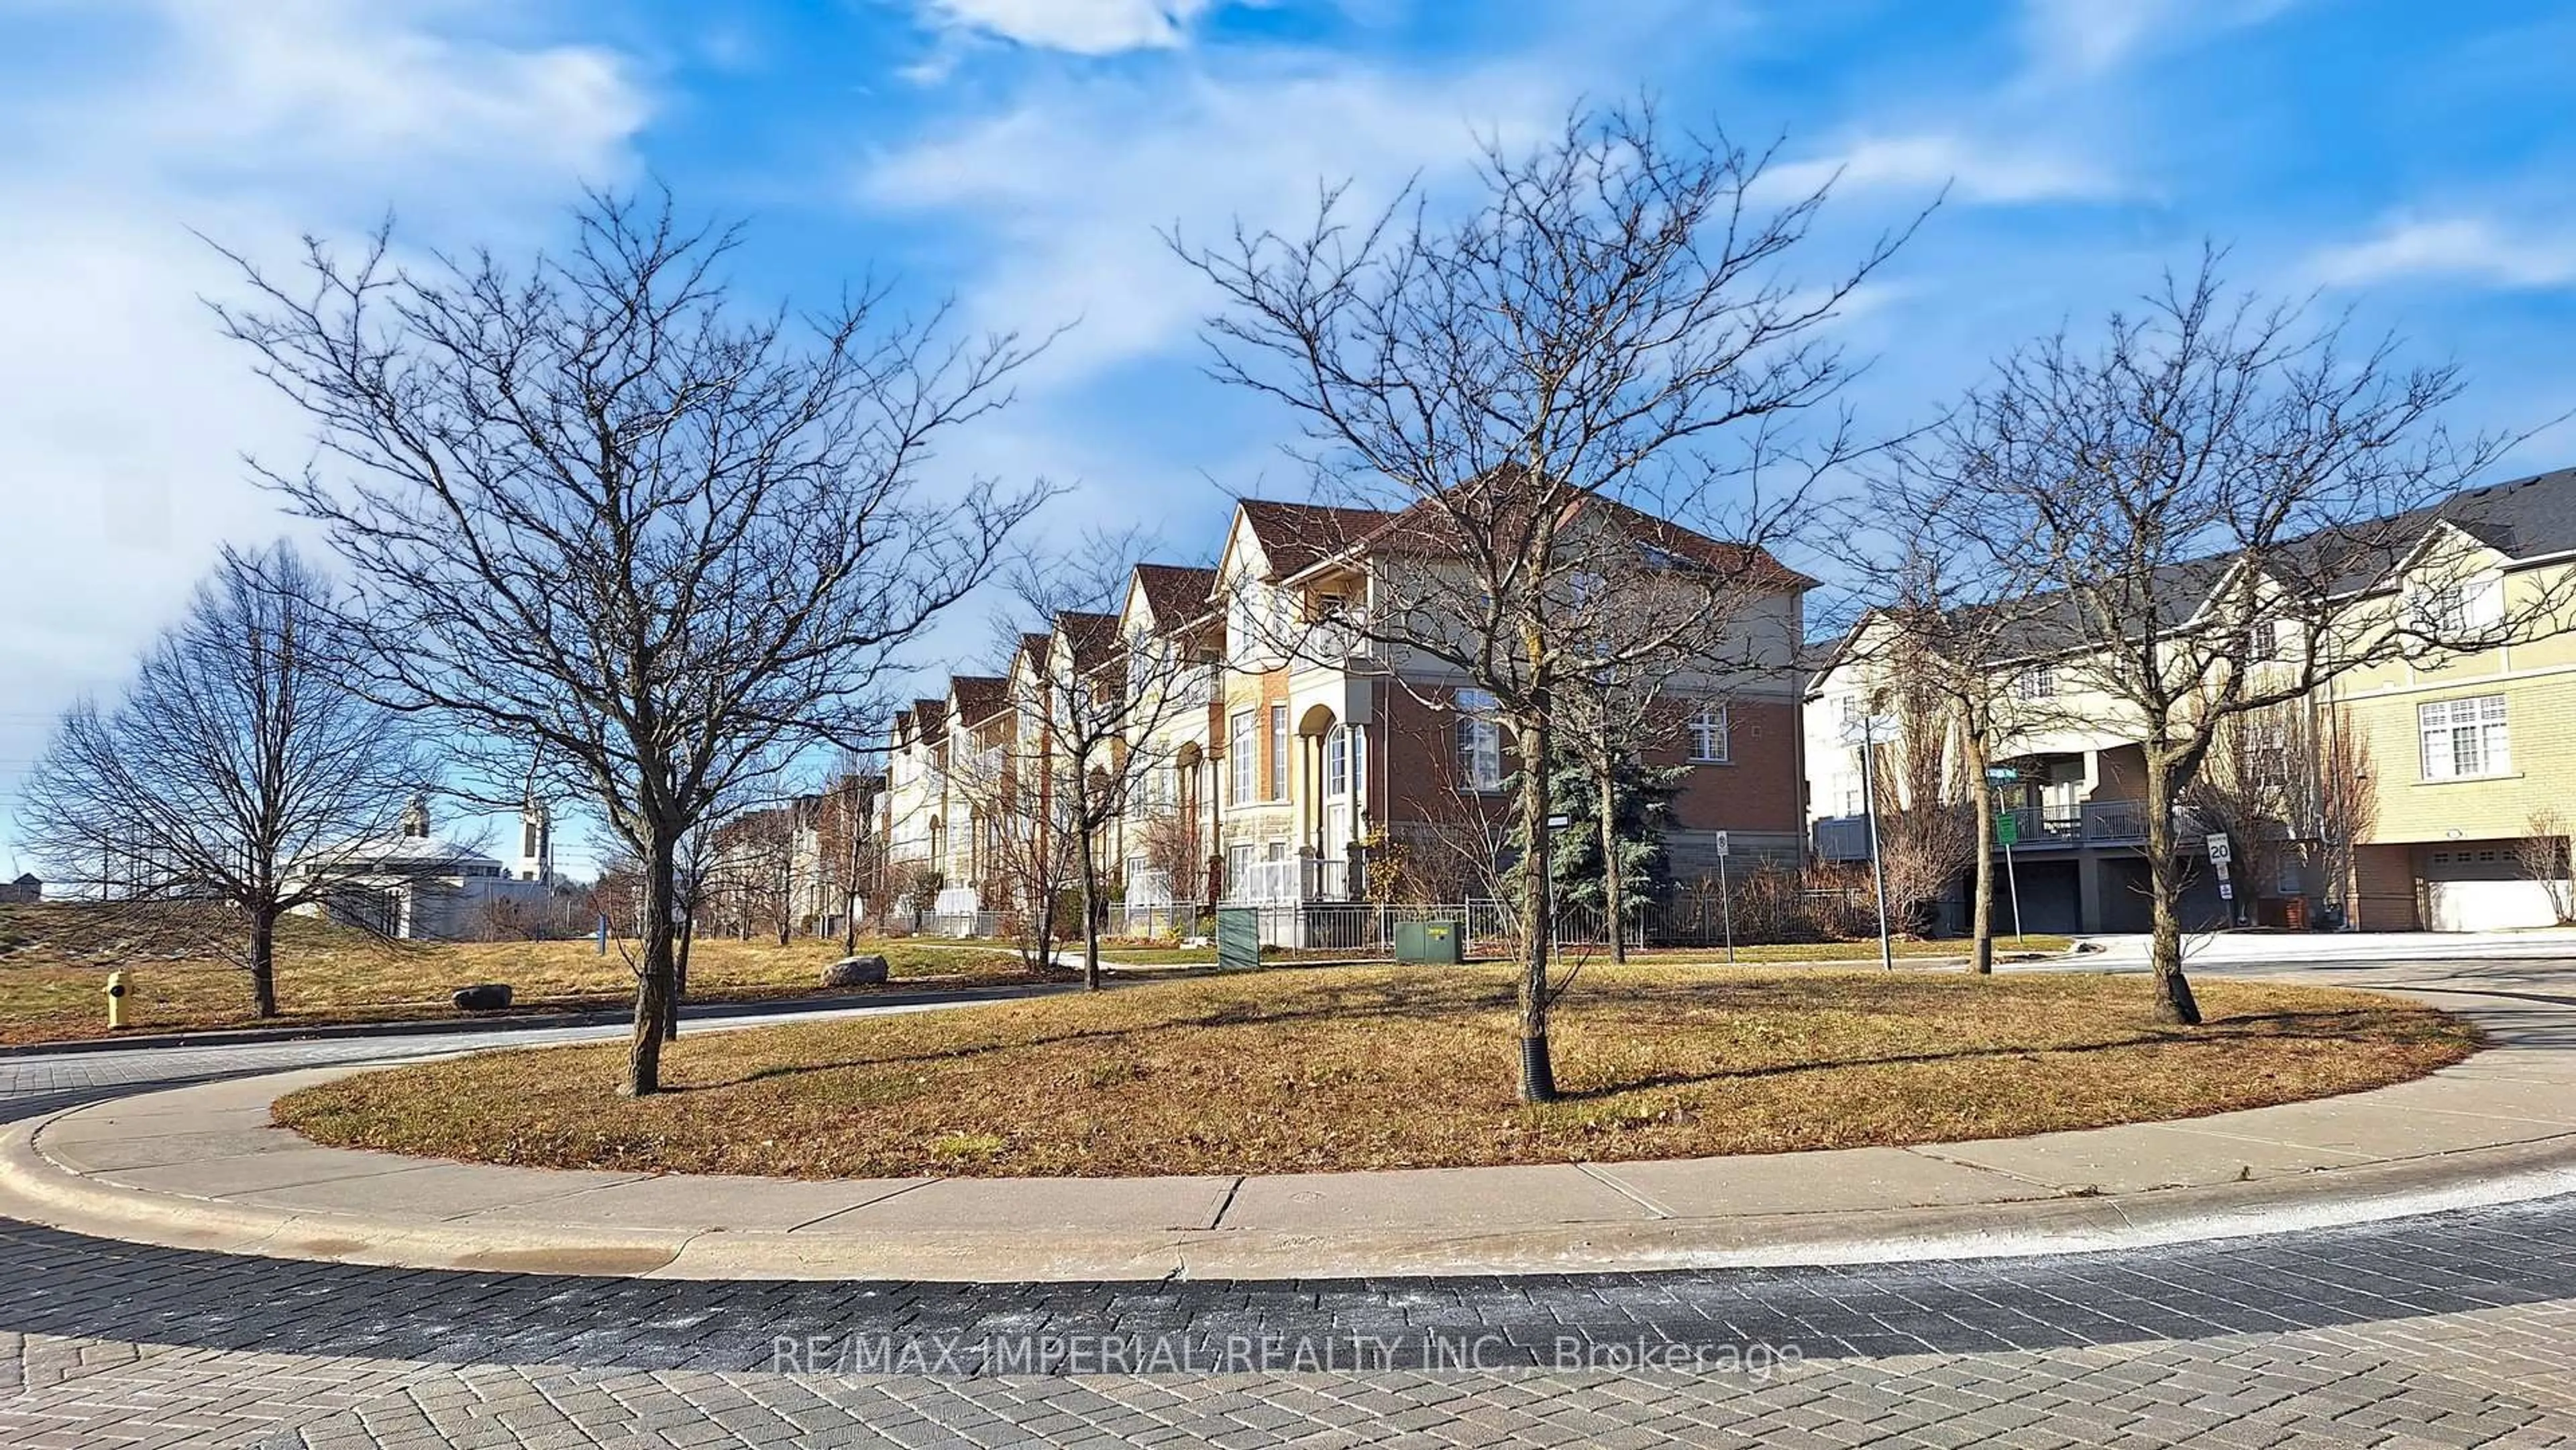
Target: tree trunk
{"points": [[1088, 855], [850, 924], [653, 981], [2174, 1001], [679, 976], [1614, 890], [263, 962], [1981, 908], [1538, 1072]]}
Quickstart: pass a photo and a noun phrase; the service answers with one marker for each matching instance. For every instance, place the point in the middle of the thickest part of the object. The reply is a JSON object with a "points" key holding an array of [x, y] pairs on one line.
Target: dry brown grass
{"points": [[1343, 1068], [54, 961]]}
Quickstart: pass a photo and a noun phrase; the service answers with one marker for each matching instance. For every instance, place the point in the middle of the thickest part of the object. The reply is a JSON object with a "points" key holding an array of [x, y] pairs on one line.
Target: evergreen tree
{"points": [[1642, 805]]}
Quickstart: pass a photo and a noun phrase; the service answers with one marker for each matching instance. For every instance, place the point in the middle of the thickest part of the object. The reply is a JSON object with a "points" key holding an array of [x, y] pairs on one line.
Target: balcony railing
{"points": [[1288, 882], [2041, 828]]}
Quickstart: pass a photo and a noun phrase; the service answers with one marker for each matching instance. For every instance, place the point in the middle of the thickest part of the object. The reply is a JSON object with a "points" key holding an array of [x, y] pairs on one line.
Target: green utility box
{"points": [[1430, 941], [1238, 937]]}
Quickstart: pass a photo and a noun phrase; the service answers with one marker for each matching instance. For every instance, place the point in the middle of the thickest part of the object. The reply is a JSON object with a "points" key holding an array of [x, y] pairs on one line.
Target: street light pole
{"points": [[1877, 862]]}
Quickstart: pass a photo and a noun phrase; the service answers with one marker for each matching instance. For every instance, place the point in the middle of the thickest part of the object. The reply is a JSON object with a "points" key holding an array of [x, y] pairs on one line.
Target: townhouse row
{"points": [[1273, 749], [2430, 792], [2418, 793]]}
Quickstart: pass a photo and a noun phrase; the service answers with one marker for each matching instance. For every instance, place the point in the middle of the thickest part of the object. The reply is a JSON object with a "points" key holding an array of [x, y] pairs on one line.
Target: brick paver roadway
{"points": [[2455, 1329]]}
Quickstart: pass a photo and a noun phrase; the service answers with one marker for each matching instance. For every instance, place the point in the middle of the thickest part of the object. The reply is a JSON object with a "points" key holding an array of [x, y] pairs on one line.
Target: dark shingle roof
{"points": [[2522, 518], [1175, 592], [1296, 535], [1091, 635], [979, 697], [1307, 533]]}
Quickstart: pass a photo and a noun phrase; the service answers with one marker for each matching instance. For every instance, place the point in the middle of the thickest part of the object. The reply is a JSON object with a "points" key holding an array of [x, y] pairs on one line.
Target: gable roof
{"points": [[979, 697], [1175, 593], [2523, 518], [1313, 533], [1091, 635], [1298, 536]]}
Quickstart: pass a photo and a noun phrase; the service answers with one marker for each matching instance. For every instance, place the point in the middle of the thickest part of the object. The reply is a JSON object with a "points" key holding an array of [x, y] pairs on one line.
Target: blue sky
{"points": [[2409, 161]]}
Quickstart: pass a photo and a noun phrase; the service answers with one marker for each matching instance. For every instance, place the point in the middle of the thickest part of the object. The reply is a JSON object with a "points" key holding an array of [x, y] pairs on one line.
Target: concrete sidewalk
{"points": [[200, 1167]]}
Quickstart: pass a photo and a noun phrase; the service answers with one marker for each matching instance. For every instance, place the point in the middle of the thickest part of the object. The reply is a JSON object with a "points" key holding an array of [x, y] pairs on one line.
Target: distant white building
{"points": [[536, 843], [421, 886]]}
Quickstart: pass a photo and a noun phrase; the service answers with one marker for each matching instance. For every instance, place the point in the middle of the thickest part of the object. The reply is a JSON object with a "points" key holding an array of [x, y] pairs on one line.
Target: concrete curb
{"points": [[2016, 1212]]}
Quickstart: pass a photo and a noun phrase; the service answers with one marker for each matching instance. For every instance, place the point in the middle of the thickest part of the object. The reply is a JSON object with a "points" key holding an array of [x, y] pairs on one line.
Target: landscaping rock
{"points": [[482, 997], [856, 972]]}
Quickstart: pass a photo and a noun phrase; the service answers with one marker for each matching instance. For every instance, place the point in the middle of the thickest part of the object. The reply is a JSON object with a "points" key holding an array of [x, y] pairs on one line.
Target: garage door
{"points": [[2478, 886]]}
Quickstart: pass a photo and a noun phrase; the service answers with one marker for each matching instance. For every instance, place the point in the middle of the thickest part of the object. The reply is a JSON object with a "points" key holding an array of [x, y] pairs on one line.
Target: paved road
{"points": [[2458, 1329]]}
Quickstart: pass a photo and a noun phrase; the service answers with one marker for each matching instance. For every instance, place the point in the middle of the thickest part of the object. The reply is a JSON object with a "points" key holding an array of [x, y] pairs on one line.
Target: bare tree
{"points": [[751, 875], [599, 517], [851, 858], [1534, 390], [1023, 845], [2255, 786], [1942, 629], [1927, 829], [1097, 699], [239, 767], [2541, 856], [2343, 803], [2233, 506], [1656, 652]]}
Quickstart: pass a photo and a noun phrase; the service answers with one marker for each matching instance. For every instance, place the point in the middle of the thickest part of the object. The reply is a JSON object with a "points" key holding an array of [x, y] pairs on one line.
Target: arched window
{"points": [[1337, 761]]}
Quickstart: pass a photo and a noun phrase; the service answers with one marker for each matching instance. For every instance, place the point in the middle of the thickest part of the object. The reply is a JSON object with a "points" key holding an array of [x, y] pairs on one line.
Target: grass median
{"points": [[54, 961], [1314, 1069]]}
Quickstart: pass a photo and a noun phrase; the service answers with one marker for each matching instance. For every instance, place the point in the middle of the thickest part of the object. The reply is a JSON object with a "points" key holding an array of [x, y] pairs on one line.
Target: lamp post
{"points": [[1868, 732]]}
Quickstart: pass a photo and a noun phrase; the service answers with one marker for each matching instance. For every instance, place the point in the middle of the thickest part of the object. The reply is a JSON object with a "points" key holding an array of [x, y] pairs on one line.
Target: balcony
{"points": [[2042, 828], [1290, 882], [1338, 642]]}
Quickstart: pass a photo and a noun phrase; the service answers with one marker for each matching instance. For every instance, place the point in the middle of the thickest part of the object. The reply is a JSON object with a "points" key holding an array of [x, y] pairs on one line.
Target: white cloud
{"points": [[1974, 171], [2073, 38], [1084, 27], [2469, 248], [120, 450], [1071, 185], [371, 93]]}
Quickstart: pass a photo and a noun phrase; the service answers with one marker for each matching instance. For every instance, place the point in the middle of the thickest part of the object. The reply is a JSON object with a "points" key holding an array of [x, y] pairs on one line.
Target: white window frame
{"points": [[2454, 609], [1241, 767], [1337, 762], [1279, 752], [1712, 734], [1478, 741], [2038, 682], [2464, 739]]}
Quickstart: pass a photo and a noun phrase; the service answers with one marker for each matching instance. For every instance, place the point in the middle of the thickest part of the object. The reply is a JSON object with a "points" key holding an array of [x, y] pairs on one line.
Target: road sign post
{"points": [[2220, 853], [2008, 830]]}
